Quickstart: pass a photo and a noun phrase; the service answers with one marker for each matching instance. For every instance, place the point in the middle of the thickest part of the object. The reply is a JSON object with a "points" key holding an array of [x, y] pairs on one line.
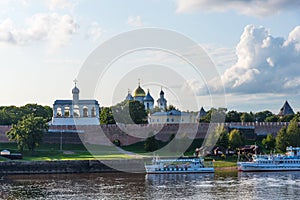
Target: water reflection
{"points": [[155, 186]]}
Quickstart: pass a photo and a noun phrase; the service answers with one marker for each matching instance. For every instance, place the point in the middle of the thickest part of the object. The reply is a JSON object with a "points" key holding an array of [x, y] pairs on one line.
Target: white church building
{"points": [[75, 111]]}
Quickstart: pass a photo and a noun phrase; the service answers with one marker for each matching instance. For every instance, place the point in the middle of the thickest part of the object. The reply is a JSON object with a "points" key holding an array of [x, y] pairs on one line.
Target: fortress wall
{"points": [[129, 134]]}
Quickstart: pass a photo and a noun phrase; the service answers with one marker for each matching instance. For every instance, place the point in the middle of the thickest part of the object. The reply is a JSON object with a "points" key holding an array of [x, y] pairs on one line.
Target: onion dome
{"points": [[148, 97], [139, 92], [161, 92], [129, 96], [75, 90]]}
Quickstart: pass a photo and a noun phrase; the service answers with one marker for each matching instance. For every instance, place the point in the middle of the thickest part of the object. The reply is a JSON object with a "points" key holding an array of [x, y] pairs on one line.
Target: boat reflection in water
{"points": [[174, 179]]}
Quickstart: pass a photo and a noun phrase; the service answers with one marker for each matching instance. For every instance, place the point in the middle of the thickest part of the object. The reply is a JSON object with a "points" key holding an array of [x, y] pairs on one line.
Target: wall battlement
{"points": [[100, 134]]}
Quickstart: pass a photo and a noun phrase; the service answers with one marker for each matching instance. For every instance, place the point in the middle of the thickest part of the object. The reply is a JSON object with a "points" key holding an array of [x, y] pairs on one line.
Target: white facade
{"points": [[75, 111], [172, 117]]}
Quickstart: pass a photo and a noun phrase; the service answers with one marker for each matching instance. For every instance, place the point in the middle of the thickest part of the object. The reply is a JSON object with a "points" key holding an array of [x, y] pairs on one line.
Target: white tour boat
{"points": [[288, 162], [179, 165]]}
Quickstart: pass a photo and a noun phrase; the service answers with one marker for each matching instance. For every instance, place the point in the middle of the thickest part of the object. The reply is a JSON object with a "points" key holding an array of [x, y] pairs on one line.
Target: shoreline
{"points": [[80, 166]]}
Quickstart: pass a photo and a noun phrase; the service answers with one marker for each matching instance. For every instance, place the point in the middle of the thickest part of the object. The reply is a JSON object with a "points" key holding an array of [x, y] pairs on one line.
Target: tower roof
{"points": [[129, 96], [75, 90], [148, 97], [286, 109], [201, 113], [139, 92], [161, 92]]}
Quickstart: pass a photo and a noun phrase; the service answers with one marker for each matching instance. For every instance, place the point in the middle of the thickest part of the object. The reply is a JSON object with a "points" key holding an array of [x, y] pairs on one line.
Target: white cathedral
{"points": [[75, 111], [147, 99]]}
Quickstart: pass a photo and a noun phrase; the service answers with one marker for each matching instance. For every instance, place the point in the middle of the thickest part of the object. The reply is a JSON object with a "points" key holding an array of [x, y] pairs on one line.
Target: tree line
{"points": [[235, 116], [12, 114], [287, 136], [28, 122]]}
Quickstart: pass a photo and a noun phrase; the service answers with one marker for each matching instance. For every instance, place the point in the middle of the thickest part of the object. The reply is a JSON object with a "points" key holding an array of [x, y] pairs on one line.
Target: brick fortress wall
{"points": [[136, 133]]}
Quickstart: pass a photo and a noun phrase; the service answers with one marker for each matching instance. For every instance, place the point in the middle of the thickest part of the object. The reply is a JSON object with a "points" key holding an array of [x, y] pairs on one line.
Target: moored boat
{"points": [[279, 162], [179, 165]]}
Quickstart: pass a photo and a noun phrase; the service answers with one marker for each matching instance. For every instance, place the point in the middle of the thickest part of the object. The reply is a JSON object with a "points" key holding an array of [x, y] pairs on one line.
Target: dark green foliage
{"points": [[117, 142], [12, 114], [247, 117], [151, 144], [130, 112], [286, 118], [293, 133], [223, 140], [273, 118], [261, 116], [235, 139], [214, 115], [28, 132], [269, 142], [289, 136], [171, 107], [282, 139], [106, 116], [233, 116]]}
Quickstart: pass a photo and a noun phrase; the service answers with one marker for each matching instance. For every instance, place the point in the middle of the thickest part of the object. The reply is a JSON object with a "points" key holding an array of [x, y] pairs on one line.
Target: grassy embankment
{"points": [[46, 152], [69, 152]]}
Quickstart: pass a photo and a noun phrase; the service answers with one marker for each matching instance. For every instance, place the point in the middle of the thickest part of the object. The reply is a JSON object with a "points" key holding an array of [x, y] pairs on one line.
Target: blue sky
{"points": [[255, 46]]}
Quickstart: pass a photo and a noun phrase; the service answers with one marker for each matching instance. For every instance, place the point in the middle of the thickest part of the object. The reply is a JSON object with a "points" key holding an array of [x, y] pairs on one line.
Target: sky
{"points": [[254, 46]]}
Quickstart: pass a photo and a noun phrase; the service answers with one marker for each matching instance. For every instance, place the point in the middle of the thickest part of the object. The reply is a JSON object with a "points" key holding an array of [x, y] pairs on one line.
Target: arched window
{"points": [[58, 112], [93, 112], [67, 111], [76, 111], [85, 111]]}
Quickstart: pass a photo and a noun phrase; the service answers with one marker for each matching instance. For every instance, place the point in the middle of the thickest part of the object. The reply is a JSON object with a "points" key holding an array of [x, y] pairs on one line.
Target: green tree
{"points": [[293, 132], [286, 118], [12, 114], [106, 116], [37, 110], [282, 139], [235, 139], [130, 112], [233, 116], [247, 117], [217, 115], [269, 142], [273, 118], [223, 140], [261, 116], [171, 107], [28, 132], [151, 144]]}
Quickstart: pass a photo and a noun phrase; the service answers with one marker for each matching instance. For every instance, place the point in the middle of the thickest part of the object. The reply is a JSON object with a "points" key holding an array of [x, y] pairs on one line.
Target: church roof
{"points": [[169, 113], [80, 102], [201, 113], [286, 109], [75, 90], [129, 97], [148, 97], [139, 92], [161, 92]]}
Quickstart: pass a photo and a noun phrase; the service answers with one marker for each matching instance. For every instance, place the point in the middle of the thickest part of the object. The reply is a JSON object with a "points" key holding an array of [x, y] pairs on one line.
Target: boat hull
{"points": [[245, 167], [151, 170]]}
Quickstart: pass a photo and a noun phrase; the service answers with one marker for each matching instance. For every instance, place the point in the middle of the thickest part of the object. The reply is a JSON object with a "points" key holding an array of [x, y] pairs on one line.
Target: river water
{"points": [[223, 186]]}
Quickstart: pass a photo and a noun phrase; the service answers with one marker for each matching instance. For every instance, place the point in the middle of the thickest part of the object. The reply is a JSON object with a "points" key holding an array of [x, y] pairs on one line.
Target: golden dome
{"points": [[139, 92]]}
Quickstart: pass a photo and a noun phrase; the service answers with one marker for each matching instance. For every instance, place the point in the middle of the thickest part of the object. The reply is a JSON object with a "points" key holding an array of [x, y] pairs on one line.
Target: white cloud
{"points": [[250, 7], [55, 28], [265, 64], [60, 4], [135, 21], [94, 31]]}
